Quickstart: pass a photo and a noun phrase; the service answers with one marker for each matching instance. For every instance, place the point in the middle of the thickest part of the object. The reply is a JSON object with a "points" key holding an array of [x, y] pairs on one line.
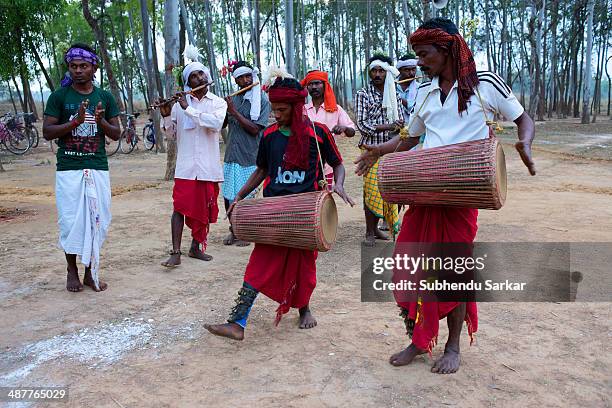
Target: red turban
{"points": [[328, 93], [465, 67], [298, 148]]}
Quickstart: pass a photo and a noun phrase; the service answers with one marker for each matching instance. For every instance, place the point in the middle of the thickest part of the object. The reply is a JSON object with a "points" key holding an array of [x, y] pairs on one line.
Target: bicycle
{"points": [[148, 135], [129, 138], [30, 130], [12, 135]]}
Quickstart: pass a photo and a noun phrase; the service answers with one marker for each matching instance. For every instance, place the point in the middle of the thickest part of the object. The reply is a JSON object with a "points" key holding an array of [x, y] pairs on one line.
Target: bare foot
{"points": [[73, 283], [370, 240], [229, 240], [240, 243], [230, 330], [381, 235], [307, 320], [173, 261], [198, 254], [405, 356], [448, 363], [88, 281]]}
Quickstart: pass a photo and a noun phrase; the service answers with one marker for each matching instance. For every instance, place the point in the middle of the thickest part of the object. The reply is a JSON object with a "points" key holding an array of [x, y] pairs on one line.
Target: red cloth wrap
{"points": [[465, 67], [197, 201], [436, 224], [329, 98], [285, 275], [298, 149]]}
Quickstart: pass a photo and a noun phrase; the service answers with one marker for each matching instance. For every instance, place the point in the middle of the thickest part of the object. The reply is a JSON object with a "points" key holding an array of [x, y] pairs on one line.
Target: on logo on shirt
{"points": [[290, 177]]}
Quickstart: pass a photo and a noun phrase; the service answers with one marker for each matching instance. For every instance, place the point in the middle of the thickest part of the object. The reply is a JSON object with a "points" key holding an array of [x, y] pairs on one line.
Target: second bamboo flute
{"points": [[403, 81], [246, 88]]}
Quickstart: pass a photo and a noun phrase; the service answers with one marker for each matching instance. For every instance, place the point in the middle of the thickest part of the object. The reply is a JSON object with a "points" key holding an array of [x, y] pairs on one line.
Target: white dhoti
{"points": [[83, 200]]}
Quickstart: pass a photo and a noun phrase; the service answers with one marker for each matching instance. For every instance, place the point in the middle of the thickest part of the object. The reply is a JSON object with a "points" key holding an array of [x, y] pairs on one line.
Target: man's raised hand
{"points": [[99, 114], [367, 159], [82, 109]]}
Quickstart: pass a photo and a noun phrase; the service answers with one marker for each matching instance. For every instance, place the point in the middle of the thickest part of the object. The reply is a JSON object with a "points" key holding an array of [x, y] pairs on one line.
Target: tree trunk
{"points": [[156, 73], [368, 37], [171, 39], [303, 38], [127, 67], [152, 90], [554, 58], [408, 30], [426, 9], [41, 65], [389, 27], [99, 34], [209, 39], [586, 81], [289, 46], [607, 75], [541, 64], [42, 96], [8, 85], [534, 65], [257, 36], [21, 103]]}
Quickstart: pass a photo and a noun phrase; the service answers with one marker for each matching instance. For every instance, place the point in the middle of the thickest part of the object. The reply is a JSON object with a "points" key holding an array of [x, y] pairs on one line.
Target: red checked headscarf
{"points": [[298, 147], [465, 68], [329, 98]]}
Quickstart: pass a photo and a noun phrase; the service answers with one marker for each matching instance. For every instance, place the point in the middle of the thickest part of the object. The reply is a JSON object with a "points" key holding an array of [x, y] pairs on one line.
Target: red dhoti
{"points": [[197, 201], [285, 275], [437, 225]]}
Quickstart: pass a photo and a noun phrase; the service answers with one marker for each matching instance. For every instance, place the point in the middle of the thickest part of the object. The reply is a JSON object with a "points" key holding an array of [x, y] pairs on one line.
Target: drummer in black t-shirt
{"points": [[288, 163]]}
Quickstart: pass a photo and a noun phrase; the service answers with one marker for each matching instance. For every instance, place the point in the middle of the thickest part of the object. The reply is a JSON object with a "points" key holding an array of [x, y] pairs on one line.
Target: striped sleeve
{"points": [[498, 96]]}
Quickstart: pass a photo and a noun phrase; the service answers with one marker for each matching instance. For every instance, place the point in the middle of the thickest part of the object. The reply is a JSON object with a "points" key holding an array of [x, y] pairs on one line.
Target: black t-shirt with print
{"points": [[281, 181]]}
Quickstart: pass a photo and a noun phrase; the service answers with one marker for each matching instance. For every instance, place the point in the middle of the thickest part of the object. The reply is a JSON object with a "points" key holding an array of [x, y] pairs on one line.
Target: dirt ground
{"points": [[142, 342]]}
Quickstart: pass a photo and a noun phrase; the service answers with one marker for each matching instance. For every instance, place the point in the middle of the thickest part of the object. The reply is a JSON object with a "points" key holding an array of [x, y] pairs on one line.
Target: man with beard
{"points": [[323, 109], [379, 117]]}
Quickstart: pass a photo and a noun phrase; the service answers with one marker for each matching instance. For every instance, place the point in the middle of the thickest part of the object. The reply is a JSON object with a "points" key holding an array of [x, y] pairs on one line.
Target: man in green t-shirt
{"points": [[79, 115]]}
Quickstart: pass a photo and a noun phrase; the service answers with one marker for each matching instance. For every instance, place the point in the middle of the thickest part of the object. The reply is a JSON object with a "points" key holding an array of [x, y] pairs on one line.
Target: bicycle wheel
{"points": [[18, 142], [148, 137], [32, 133], [128, 141], [111, 146]]}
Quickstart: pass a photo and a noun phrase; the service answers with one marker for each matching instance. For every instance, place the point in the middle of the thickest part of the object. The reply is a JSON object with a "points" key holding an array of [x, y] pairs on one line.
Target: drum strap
{"points": [[322, 183], [493, 125]]}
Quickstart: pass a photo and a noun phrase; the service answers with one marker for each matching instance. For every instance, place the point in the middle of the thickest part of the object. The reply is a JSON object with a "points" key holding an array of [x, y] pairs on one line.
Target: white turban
{"points": [[254, 94], [411, 63], [188, 70], [389, 95]]}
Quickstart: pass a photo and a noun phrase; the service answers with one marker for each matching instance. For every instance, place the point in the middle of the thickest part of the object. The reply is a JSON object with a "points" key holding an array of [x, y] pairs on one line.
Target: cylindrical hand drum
{"points": [[305, 221], [470, 174]]}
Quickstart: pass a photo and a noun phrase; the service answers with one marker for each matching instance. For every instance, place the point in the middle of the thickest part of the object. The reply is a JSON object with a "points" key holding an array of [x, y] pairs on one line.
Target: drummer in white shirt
{"points": [[456, 106]]}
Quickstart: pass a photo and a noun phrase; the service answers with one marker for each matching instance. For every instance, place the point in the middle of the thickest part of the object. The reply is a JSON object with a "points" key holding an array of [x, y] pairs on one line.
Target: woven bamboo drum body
{"points": [[470, 175], [305, 221]]}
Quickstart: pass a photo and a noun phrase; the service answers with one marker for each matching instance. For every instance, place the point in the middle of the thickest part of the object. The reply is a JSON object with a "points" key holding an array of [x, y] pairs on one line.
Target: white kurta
{"points": [[197, 130]]}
